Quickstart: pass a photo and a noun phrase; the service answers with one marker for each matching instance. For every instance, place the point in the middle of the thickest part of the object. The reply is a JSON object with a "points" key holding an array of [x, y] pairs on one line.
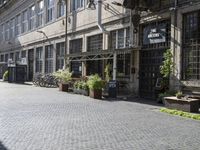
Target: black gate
{"points": [[150, 62], [155, 40], [30, 64]]}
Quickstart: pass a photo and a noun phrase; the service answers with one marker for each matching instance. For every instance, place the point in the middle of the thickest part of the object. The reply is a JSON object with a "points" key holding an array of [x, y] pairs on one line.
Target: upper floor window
{"points": [[40, 12], [191, 48], [76, 4], [17, 25], [95, 42], [12, 28], [2, 58], [120, 38], [60, 54], [7, 31], [2, 36], [24, 21], [61, 8], [50, 10], [32, 18], [75, 46]]}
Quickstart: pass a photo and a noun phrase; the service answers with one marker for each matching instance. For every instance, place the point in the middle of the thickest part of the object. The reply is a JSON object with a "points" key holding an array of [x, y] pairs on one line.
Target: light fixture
{"points": [[91, 5]]}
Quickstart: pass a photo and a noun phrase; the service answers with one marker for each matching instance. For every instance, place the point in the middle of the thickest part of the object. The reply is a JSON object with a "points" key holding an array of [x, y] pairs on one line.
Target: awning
{"points": [[97, 55]]}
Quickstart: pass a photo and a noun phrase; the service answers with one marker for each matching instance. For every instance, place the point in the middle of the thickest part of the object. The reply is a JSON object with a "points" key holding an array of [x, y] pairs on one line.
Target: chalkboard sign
{"points": [[112, 84], [112, 88]]}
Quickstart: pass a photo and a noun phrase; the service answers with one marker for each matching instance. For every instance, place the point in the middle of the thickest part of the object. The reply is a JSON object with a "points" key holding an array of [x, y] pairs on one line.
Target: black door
{"points": [[30, 64], [150, 62]]}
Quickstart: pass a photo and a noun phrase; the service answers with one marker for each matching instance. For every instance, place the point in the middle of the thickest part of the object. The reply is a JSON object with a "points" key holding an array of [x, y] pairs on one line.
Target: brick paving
{"points": [[34, 118]]}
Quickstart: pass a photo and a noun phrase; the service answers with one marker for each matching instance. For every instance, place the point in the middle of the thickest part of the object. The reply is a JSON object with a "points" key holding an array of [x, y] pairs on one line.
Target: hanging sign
{"points": [[154, 34]]}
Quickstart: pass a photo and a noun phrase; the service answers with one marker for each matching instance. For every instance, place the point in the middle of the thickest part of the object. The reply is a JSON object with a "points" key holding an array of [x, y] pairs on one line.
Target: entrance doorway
{"points": [[30, 64], [150, 62]]}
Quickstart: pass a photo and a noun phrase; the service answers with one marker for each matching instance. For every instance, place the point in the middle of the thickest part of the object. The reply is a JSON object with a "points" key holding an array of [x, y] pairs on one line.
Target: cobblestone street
{"points": [[34, 118]]}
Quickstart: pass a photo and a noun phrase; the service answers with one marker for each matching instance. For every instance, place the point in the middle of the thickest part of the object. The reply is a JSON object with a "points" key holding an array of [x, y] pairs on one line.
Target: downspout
{"points": [[104, 31], [99, 18]]}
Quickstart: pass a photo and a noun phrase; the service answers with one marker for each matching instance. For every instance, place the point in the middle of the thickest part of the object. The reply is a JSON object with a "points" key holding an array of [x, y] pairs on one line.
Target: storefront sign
{"points": [[154, 34]]}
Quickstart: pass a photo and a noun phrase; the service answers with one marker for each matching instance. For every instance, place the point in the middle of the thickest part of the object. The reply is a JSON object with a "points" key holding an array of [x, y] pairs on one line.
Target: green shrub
{"points": [[64, 75], [179, 94], [181, 113], [95, 82], [5, 76]]}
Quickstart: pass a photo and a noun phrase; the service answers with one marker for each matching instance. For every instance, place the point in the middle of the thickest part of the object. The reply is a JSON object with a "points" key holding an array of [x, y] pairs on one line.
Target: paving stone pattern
{"points": [[34, 118]]}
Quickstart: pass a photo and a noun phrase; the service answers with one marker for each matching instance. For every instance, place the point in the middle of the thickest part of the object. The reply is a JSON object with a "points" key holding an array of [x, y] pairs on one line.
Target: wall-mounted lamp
{"points": [[91, 5]]}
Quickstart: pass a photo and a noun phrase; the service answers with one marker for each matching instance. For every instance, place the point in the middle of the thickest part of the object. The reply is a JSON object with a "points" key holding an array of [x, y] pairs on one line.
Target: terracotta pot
{"points": [[64, 87], [96, 94]]}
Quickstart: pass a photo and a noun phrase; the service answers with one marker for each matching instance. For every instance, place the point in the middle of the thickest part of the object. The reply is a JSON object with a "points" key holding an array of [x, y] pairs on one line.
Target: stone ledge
{"points": [[189, 105]]}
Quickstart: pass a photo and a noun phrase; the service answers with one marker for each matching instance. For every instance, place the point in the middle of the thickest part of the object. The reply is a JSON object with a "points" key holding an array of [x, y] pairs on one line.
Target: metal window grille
{"points": [[95, 42], [39, 59], [123, 64], [60, 54], [49, 59], [75, 46], [191, 46]]}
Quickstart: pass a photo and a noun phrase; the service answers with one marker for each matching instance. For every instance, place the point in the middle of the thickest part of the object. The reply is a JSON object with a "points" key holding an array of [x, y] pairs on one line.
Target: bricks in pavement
{"points": [[34, 118]]}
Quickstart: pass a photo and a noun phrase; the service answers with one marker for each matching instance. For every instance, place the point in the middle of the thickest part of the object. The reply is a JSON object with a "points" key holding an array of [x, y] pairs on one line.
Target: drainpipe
{"points": [[104, 31], [99, 13]]}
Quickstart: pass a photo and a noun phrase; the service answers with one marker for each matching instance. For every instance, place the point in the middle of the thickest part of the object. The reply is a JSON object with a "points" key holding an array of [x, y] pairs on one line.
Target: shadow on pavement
{"points": [[135, 100], [2, 147]]}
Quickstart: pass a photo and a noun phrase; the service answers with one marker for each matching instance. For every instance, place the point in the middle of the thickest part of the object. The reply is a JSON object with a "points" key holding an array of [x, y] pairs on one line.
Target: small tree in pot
{"points": [[64, 76], [95, 85]]}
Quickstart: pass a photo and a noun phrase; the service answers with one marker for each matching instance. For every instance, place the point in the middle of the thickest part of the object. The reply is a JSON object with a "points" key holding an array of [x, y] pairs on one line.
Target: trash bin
{"points": [[112, 88]]}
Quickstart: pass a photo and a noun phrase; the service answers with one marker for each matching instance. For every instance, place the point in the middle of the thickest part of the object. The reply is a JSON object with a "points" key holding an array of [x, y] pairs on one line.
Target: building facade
{"points": [[33, 32]]}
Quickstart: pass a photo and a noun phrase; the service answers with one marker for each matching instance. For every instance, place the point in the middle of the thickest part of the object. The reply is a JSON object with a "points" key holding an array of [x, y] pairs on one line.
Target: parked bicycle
{"points": [[45, 80]]}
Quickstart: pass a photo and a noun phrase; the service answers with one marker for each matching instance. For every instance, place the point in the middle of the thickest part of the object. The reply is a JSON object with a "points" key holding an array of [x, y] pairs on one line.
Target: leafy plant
{"points": [[165, 94], [168, 65], [107, 72], [80, 85], [179, 94], [5, 76], [64, 75], [95, 82]]}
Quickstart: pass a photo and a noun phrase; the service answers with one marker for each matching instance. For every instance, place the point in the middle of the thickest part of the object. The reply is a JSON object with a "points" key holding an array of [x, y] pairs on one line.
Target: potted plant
{"points": [[95, 85], [64, 77], [179, 95], [5, 76], [81, 87]]}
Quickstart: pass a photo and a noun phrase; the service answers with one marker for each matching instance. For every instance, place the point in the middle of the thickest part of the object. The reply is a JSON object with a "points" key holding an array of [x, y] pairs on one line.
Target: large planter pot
{"points": [[96, 94], [64, 87], [189, 105]]}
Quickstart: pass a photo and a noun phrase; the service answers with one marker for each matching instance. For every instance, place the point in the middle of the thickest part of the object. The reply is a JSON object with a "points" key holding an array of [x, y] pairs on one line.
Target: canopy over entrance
{"points": [[97, 55]]}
